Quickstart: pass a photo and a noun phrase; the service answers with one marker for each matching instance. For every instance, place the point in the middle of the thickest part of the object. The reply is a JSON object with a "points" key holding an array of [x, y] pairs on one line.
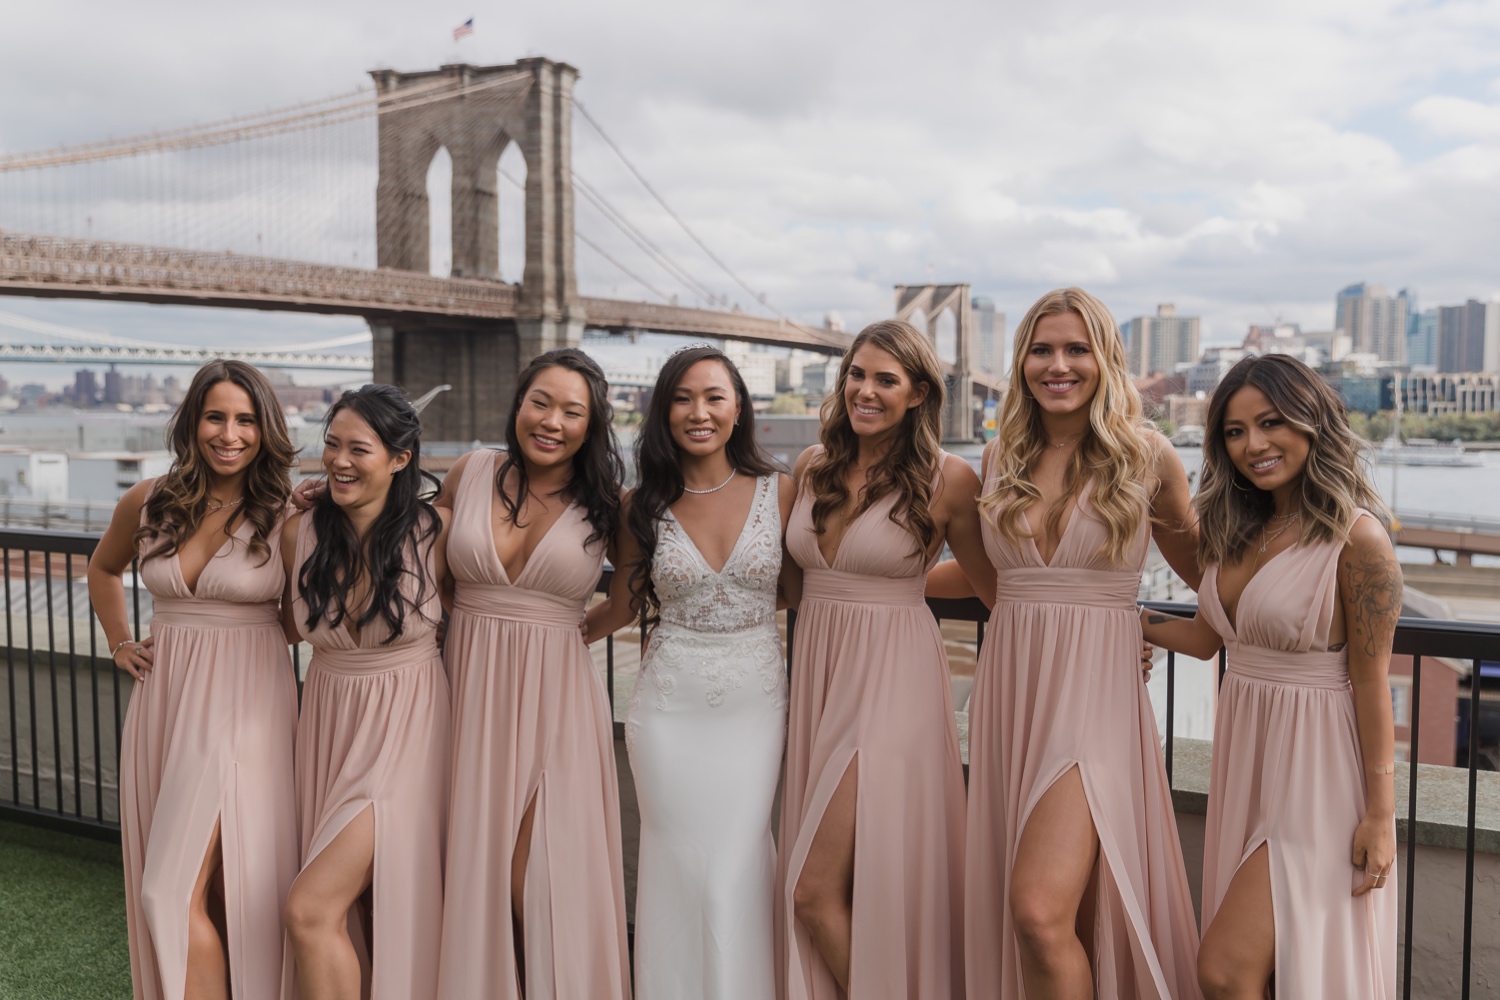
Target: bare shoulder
{"points": [[289, 529], [445, 519], [135, 498], [1368, 542], [808, 454], [786, 494], [959, 477]]}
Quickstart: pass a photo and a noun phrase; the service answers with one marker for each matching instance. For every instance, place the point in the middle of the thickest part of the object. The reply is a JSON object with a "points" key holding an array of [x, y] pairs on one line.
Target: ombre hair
{"points": [[179, 501], [910, 466], [1333, 484], [1117, 454]]}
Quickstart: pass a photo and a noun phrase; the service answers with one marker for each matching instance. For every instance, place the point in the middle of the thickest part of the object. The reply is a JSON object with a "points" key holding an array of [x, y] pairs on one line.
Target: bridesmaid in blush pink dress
{"points": [[1303, 587], [536, 891], [1076, 880], [364, 915], [872, 821], [207, 816]]}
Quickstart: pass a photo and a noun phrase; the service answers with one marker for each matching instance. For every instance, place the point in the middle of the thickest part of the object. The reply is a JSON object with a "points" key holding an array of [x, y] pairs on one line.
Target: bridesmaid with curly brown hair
{"points": [[207, 812]]}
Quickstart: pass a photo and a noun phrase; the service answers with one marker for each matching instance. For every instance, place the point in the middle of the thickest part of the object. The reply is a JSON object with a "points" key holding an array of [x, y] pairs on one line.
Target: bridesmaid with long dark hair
{"points": [[207, 816], [872, 821], [536, 894], [1301, 584], [363, 570], [702, 553]]}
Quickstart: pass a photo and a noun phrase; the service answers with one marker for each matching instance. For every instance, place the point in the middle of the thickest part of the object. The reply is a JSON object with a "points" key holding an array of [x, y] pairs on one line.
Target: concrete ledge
{"points": [[1442, 798]]}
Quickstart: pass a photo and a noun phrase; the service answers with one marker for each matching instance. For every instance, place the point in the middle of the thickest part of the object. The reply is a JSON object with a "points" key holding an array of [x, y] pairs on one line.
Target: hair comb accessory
{"points": [[692, 347]]}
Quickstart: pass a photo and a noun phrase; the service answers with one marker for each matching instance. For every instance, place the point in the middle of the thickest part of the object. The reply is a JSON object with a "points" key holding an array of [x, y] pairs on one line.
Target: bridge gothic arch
{"points": [[945, 314], [476, 113]]}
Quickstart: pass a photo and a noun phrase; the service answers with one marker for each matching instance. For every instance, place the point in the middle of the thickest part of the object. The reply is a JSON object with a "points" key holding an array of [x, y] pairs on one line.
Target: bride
{"points": [[705, 728]]}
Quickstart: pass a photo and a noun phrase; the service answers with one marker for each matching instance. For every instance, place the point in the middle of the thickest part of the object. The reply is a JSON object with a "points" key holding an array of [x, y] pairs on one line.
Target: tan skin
{"points": [[551, 426], [359, 469], [228, 441], [702, 417], [878, 393], [1238, 955], [1056, 861]]}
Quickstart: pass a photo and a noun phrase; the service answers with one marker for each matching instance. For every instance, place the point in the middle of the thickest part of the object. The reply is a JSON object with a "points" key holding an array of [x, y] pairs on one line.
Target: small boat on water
{"points": [[1425, 452]]}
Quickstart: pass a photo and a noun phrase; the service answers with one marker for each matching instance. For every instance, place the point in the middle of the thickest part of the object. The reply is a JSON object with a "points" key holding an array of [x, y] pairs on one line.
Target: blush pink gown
{"points": [[374, 735], [1058, 686], [1288, 773], [208, 737], [530, 723], [870, 684]]}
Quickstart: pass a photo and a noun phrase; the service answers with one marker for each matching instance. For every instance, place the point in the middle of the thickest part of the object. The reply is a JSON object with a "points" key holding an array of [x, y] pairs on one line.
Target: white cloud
{"points": [[1245, 161]]}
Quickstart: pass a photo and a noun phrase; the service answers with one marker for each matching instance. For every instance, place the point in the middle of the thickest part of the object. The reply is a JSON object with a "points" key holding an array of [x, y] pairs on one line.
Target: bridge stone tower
{"points": [[476, 112], [932, 301]]}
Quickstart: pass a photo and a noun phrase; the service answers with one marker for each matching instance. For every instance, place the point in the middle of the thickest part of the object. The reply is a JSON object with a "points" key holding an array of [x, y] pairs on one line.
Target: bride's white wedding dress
{"points": [[705, 731]]}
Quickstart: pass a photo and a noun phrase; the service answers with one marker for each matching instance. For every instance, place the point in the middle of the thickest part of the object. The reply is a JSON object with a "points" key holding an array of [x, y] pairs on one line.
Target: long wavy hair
{"points": [[1117, 454], [179, 502], [597, 467], [1333, 485], [911, 464], [659, 461], [395, 546]]}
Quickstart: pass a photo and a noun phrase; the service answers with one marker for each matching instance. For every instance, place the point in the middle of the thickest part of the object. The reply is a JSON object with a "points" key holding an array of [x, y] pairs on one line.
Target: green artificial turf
{"points": [[62, 917]]}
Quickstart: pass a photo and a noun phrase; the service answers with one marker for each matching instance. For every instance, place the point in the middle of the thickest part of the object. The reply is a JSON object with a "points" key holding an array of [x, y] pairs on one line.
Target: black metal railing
{"points": [[64, 699]]}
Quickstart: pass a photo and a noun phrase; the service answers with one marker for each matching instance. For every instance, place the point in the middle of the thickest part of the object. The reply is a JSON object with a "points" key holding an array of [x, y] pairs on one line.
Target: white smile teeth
{"points": [[868, 411], [346, 480], [1264, 464]]}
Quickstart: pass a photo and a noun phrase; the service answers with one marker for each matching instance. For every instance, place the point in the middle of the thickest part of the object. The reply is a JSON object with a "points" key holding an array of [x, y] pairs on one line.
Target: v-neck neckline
{"points": [[505, 573], [1234, 621], [739, 540], [1062, 539], [192, 591]]}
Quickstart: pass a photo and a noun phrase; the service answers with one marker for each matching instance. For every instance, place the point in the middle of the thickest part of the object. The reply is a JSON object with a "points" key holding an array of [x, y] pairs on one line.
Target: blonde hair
{"points": [[1117, 454], [912, 463], [1231, 510]]}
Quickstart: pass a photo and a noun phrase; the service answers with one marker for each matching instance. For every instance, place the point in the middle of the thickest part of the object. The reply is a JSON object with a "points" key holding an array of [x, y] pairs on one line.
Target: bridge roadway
{"points": [[62, 267], [1464, 536]]}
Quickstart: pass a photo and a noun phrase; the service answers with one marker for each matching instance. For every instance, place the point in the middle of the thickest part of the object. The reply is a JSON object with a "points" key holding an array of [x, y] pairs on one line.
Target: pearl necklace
{"points": [[732, 474]]}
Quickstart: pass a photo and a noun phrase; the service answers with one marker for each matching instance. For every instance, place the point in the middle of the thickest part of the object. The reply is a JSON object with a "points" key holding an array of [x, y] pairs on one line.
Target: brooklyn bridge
{"points": [[168, 218]]}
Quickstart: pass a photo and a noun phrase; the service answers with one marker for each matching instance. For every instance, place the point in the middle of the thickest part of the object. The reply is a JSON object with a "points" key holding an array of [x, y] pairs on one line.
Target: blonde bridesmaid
{"points": [[536, 891], [1077, 886], [207, 815], [364, 916], [872, 822], [1302, 585]]}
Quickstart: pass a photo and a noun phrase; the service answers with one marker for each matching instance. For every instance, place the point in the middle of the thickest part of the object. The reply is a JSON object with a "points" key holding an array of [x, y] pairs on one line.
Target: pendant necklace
{"points": [[214, 508], [715, 489], [1279, 531]]}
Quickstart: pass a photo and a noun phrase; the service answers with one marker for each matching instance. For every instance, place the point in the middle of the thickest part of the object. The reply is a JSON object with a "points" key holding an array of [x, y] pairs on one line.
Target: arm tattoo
{"points": [[1375, 589]]}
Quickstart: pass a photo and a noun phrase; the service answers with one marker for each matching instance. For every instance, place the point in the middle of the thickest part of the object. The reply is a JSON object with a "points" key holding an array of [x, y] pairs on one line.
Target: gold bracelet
{"points": [[1384, 768]]}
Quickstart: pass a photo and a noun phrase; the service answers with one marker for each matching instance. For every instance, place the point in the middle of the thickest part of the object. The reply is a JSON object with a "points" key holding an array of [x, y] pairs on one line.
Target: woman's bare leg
{"points": [[823, 898], [317, 912], [1238, 955]]}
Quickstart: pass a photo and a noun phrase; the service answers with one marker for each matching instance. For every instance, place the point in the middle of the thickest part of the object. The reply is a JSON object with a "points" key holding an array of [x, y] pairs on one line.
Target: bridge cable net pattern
{"points": [[277, 208]]}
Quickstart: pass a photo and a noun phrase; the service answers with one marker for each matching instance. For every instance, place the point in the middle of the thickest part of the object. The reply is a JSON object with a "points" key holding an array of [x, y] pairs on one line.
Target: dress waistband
{"points": [[1278, 666], [1092, 588], [517, 604], [192, 612], [857, 588], [374, 659]]}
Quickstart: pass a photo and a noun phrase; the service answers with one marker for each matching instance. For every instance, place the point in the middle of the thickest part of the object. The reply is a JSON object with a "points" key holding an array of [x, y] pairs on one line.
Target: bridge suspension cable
{"points": [[757, 297]]}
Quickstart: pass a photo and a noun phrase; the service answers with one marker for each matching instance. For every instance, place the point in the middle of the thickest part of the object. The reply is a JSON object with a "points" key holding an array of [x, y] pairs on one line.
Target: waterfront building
{"points": [[1469, 337], [756, 364], [1374, 322], [990, 325], [106, 475], [1422, 339], [1467, 392], [1215, 363], [32, 474], [1162, 342]]}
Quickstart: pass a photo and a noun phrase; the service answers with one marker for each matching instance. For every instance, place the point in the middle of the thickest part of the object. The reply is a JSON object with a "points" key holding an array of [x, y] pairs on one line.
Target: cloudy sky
{"points": [[1244, 161]]}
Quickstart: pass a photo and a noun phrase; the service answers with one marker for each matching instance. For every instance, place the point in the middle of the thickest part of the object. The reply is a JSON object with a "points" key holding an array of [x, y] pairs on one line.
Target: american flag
{"points": [[467, 28]]}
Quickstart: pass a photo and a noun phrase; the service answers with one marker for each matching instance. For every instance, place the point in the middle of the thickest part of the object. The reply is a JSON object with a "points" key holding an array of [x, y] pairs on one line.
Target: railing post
{"points": [[1413, 756]]}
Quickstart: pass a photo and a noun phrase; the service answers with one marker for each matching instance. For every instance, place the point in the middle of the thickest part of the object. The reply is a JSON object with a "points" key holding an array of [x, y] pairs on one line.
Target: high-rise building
{"points": [[1422, 339], [990, 326], [113, 386], [1162, 342], [1376, 323], [1468, 337], [85, 387]]}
